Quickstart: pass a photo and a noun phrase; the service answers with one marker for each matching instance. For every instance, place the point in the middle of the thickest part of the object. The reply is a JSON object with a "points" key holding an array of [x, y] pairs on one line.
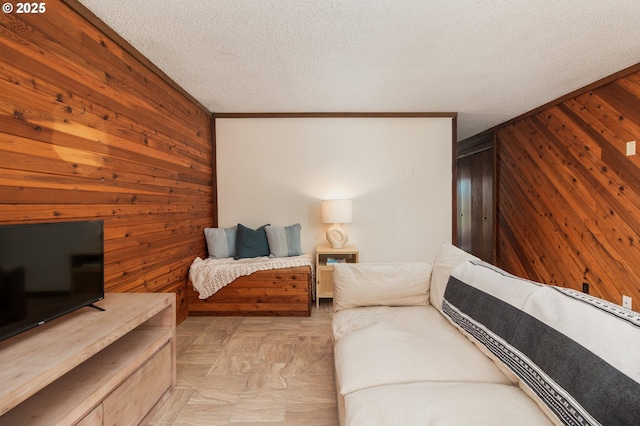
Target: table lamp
{"points": [[337, 212]]}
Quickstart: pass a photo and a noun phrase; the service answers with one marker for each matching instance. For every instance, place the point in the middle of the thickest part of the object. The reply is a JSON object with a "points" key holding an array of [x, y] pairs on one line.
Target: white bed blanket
{"points": [[210, 275]]}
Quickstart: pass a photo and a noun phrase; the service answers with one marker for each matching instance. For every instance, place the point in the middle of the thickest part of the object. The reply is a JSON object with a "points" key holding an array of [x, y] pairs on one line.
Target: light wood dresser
{"points": [[91, 367]]}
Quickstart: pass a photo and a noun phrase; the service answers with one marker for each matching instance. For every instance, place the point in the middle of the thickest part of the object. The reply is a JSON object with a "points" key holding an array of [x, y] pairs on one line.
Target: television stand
{"points": [[92, 368]]}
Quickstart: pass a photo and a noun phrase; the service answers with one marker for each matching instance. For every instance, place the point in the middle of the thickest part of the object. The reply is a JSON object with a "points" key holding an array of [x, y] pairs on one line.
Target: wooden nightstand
{"points": [[324, 271]]}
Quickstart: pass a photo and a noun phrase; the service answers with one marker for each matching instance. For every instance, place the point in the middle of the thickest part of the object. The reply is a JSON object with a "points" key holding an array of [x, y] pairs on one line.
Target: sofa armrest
{"points": [[447, 258], [381, 284]]}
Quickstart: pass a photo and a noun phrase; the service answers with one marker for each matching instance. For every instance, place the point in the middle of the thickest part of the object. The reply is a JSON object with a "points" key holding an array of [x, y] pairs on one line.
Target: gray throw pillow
{"points": [[221, 242], [284, 241]]}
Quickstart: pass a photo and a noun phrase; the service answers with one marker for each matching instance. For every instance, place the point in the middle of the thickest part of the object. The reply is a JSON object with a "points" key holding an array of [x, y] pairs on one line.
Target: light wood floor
{"points": [[254, 371]]}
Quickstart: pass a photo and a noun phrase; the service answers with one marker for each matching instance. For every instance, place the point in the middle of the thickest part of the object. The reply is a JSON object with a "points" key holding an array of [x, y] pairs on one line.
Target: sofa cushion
{"points": [[442, 403], [404, 345], [380, 284], [575, 355], [447, 258]]}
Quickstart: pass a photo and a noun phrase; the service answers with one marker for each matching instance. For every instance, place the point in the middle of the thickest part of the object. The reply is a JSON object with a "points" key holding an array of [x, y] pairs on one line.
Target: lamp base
{"points": [[337, 236]]}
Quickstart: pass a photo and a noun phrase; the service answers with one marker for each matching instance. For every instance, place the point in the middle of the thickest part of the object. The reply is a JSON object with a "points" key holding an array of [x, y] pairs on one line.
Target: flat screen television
{"points": [[48, 270]]}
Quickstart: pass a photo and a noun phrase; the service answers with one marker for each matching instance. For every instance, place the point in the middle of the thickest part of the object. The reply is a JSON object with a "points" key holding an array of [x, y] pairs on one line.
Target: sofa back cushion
{"points": [[574, 354], [380, 284], [447, 258]]}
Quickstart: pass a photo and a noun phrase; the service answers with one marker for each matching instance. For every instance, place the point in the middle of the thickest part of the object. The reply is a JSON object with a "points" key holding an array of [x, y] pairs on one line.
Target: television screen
{"points": [[48, 270]]}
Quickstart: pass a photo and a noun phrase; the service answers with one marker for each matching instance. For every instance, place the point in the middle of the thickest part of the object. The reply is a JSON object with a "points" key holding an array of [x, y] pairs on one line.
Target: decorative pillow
{"points": [[573, 354], [380, 284], [250, 243], [284, 241], [221, 242]]}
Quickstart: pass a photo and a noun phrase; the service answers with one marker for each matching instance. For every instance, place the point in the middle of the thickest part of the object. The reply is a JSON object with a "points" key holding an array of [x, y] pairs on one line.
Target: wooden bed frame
{"points": [[277, 292]]}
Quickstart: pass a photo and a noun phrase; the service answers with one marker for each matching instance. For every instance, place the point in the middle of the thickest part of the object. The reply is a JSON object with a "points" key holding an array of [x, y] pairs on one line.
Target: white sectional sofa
{"points": [[460, 342]]}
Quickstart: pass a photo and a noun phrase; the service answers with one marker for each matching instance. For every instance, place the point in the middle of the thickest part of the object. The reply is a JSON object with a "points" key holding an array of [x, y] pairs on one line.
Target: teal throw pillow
{"points": [[251, 243]]}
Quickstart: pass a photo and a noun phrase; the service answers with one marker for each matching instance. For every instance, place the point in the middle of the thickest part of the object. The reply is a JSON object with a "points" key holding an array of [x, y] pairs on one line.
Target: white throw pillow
{"points": [[380, 284], [448, 257]]}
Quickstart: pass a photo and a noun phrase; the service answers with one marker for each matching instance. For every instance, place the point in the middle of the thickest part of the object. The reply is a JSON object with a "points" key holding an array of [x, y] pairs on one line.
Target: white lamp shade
{"points": [[337, 211]]}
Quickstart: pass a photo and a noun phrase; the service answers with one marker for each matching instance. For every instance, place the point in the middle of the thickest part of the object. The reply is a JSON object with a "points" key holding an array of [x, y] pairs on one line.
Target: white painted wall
{"points": [[398, 171]]}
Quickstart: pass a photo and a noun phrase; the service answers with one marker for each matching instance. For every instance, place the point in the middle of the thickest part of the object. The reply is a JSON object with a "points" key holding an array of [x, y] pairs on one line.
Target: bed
{"points": [[251, 287]]}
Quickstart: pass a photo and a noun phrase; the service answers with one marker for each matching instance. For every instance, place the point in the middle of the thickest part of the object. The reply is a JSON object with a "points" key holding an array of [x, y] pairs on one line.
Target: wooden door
{"points": [[476, 211], [464, 203]]}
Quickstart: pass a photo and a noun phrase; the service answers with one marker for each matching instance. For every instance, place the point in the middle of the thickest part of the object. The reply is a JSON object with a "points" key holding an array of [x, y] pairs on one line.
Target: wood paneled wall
{"points": [[89, 131], [568, 197]]}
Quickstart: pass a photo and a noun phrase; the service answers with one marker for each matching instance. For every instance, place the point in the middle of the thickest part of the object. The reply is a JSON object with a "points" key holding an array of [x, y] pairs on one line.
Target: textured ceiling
{"points": [[488, 60]]}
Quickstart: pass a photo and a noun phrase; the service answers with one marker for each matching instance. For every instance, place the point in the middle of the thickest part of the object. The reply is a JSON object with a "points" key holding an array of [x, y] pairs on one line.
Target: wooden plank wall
{"points": [[87, 131], [568, 197]]}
